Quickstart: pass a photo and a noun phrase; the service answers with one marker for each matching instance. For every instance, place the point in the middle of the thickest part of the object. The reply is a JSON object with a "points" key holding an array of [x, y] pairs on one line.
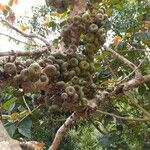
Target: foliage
{"points": [[35, 110]]}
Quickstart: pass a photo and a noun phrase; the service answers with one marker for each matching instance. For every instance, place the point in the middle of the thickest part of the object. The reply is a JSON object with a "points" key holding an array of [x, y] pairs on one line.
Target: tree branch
{"points": [[24, 34], [133, 83], [124, 79], [62, 130], [123, 118], [25, 53], [6, 142], [126, 62]]}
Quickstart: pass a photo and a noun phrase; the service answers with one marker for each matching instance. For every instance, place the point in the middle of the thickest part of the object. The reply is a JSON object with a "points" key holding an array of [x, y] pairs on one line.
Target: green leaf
{"points": [[24, 127], [8, 103], [11, 128]]}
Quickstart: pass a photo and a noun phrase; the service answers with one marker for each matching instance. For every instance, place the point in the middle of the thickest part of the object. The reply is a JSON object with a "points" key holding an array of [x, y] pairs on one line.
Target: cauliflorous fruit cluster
{"points": [[63, 81], [86, 30]]}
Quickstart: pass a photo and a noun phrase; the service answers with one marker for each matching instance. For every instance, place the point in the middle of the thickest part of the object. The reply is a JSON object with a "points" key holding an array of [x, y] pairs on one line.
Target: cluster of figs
{"points": [[64, 81]]}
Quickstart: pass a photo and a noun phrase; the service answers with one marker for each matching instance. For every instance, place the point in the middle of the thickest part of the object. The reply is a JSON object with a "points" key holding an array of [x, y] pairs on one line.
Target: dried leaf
{"points": [[117, 40], [2, 7]]}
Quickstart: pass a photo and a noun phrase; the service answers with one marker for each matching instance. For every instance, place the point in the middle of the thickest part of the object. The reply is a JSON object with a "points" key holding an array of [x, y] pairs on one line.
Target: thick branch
{"points": [[62, 130], [6, 143], [126, 62], [133, 83], [24, 34]]}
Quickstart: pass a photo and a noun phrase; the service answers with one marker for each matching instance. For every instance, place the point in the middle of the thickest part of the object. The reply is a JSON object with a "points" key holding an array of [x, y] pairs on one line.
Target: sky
{"points": [[22, 8]]}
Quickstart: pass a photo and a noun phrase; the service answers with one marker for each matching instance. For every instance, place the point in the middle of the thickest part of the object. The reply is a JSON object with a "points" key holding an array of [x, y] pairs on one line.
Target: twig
{"points": [[110, 68], [30, 112], [133, 83], [24, 34], [123, 118], [17, 39], [138, 106], [126, 62], [132, 71], [24, 53]]}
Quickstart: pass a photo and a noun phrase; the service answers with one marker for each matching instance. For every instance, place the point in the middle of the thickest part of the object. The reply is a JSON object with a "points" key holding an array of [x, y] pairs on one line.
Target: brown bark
{"points": [[6, 142], [62, 130]]}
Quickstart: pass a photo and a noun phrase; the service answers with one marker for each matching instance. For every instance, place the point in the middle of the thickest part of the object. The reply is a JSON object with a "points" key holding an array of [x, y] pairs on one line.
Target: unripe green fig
{"points": [[93, 28], [73, 47], [102, 38], [90, 57], [89, 37], [75, 80], [102, 9], [82, 82], [92, 68], [74, 62], [105, 16], [35, 68], [77, 70], [49, 61], [64, 66], [51, 57], [17, 79], [57, 66], [61, 84], [86, 18], [50, 70], [80, 57], [100, 32], [65, 106], [84, 65], [77, 87], [10, 69], [97, 44], [99, 17], [43, 78], [29, 62], [75, 97], [25, 74], [70, 90], [59, 61], [66, 75], [72, 73], [77, 19], [64, 96], [90, 48]]}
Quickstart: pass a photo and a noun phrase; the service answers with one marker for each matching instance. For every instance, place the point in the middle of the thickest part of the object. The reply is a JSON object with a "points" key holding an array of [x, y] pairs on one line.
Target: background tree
{"points": [[87, 69]]}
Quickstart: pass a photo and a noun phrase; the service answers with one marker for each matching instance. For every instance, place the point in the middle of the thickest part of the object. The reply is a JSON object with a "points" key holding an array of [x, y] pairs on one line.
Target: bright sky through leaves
{"points": [[22, 8]]}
